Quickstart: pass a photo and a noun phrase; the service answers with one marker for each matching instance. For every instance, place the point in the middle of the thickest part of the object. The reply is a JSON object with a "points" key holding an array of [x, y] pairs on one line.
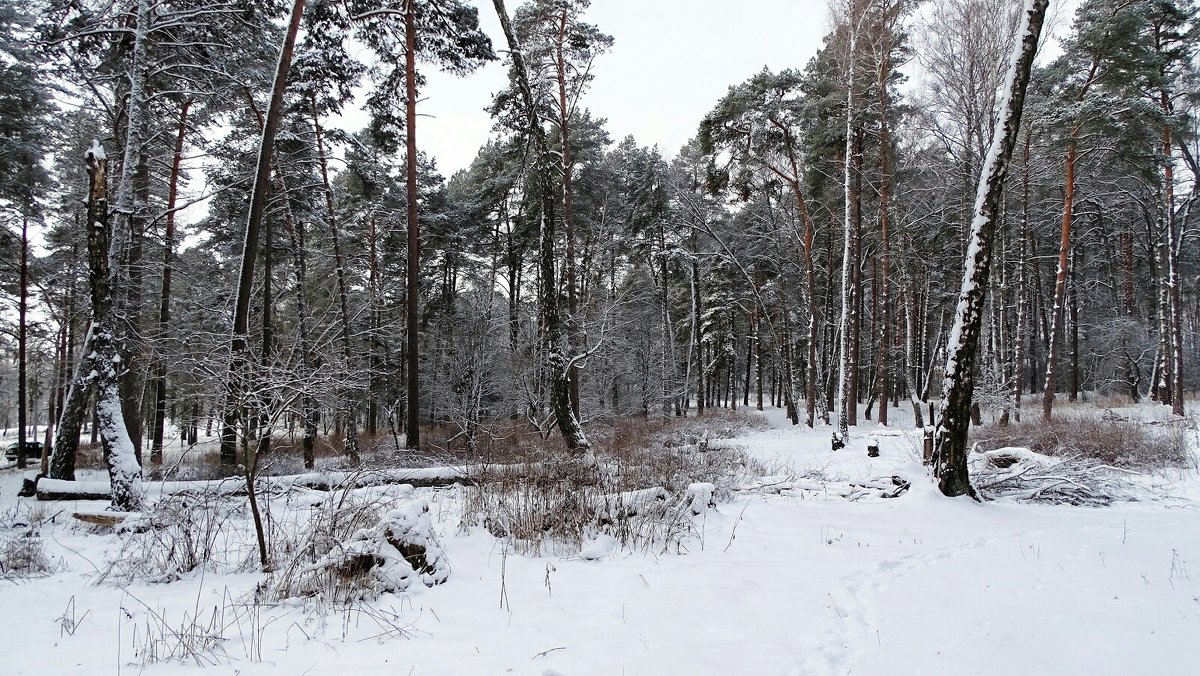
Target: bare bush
{"points": [[179, 534], [1110, 439], [23, 554]]}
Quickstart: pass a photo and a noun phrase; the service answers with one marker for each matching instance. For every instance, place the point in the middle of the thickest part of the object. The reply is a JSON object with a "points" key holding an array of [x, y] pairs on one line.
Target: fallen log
{"points": [[109, 519], [428, 477]]}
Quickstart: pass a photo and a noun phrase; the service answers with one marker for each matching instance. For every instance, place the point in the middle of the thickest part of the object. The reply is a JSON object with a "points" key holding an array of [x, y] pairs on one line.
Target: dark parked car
{"points": [[33, 449]]}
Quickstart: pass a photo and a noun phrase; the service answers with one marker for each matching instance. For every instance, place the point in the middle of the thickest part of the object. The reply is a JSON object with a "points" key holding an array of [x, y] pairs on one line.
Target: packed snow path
{"points": [[778, 584]]}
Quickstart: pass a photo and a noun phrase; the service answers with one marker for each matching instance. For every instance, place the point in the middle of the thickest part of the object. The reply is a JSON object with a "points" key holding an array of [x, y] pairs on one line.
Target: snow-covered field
{"points": [[801, 581]]}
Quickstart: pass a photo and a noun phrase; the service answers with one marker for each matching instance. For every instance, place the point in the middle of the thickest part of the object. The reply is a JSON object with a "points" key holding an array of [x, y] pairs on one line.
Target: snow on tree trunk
{"points": [[950, 457], [125, 475], [556, 363], [1060, 281], [845, 365]]}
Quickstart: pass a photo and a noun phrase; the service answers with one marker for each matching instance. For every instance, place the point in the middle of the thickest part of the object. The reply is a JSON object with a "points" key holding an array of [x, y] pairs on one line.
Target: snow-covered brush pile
{"points": [[398, 553], [1027, 476], [644, 498], [1109, 439]]}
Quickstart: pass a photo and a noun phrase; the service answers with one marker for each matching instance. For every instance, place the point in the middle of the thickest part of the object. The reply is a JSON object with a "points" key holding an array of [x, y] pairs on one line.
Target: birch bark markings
{"points": [[950, 456], [849, 250]]}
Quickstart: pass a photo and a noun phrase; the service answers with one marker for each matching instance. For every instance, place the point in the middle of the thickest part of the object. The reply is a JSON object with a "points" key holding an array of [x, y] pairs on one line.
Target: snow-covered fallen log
{"points": [[428, 477], [815, 485], [630, 503]]}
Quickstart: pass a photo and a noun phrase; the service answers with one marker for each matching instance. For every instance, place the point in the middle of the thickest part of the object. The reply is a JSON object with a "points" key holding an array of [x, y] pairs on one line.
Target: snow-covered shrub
{"points": [[23, 554], [396, 554]]}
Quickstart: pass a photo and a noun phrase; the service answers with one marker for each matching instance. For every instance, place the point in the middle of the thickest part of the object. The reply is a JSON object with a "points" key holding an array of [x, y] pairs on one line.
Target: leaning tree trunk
{"points": [[239, 364], [125, 475], [557, 364], [954, 417]]}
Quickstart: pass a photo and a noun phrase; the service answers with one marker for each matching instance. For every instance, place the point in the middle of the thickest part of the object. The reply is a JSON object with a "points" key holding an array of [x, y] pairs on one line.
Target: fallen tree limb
{"points": [[429, 477]]}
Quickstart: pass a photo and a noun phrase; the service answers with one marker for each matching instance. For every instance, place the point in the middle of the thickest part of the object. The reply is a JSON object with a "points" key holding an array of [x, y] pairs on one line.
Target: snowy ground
{"points": [[799, 583]]}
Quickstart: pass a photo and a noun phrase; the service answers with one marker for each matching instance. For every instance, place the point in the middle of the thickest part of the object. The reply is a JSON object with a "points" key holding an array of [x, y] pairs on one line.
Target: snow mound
{"points": [[699, 497], [600, 546]]}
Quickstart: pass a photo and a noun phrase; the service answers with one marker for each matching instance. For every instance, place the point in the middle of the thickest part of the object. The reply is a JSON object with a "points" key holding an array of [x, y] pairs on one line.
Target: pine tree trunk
{"points": [[22, 349], [884, 364], [349, 416], [1073, 304], [164, 305], [413, 266], [846, 365], [950, 464], [1175, 299], [239, 365], [1060, 282], [568, 216], [123, 470], [1018, 354], [557, 365], [697, 335]]}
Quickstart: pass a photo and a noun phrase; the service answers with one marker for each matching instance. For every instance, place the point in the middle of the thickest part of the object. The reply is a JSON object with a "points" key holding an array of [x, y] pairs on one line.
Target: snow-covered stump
{"points": [[872, 448], [401, 553], [699, 497]]}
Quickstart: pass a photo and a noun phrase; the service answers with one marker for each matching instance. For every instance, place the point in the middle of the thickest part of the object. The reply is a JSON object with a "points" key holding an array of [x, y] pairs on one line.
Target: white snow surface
{"points": [[791, 582]]}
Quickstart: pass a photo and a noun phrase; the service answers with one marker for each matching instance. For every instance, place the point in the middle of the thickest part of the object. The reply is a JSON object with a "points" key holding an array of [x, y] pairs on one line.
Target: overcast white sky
{"points": [[670, 62]]}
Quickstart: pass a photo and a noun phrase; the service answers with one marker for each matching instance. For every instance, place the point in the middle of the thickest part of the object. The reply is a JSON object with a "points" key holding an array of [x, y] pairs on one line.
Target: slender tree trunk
{"points": [[697, 334], [846, 364], [1018, 358], [1060, 282], [1175, 297], [349, 417], [950, 464], [885, 188], [1073, 304], [22, 347], [164, 305]]}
